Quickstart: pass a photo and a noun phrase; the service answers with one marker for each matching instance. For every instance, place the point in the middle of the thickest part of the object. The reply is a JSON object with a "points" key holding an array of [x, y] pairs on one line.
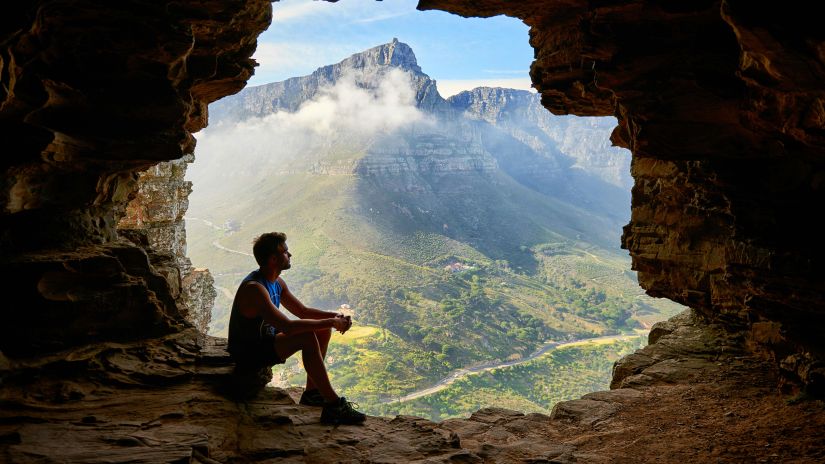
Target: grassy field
{"points": [[358, 364], [535, 386]]}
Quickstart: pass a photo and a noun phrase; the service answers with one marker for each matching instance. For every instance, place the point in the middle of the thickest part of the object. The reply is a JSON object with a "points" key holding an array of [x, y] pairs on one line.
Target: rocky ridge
{"points": [[579, 143], [517, 113], [290, 94], [480, 132]]}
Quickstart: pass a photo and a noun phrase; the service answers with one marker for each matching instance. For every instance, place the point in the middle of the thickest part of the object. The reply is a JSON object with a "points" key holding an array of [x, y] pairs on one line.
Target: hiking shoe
{"points": [[312, 398], [341, 412]]}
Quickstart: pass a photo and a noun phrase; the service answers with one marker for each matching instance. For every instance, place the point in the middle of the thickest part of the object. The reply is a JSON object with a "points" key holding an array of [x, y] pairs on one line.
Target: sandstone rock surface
{"points": [[175, 399], [154, 221], [84, 121]]}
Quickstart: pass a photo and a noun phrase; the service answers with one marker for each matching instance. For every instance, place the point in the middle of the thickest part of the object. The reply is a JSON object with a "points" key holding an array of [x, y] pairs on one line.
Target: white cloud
{"points": [[271, 55], [353, 111], [449, 87], [382, 106], [382, 17], [284, 11]]}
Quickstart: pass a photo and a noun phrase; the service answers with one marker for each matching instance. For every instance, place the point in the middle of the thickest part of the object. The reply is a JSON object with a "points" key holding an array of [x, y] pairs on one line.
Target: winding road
{"points": [[215, 242], [450, 379]]}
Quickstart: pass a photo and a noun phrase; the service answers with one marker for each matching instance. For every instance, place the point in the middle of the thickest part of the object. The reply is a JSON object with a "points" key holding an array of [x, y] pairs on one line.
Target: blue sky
{"points": [[460, 53]]}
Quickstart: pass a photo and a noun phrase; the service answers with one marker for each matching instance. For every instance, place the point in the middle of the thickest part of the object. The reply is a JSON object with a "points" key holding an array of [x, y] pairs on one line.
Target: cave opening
{"points": [[721, 103], [465, 227]]}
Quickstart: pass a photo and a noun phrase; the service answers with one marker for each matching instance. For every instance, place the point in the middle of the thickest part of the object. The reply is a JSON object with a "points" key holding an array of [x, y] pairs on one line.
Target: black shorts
{"points": [[261, 354]]}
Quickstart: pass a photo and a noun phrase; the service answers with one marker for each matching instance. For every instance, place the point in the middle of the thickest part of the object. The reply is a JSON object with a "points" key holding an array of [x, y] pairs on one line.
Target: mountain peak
{"points": [[395, 53], [291, 93]]}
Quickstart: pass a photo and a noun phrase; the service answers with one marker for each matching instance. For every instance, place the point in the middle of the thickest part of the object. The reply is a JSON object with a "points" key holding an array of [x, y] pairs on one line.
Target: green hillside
{"points": [[534, 386], [524, 283]]}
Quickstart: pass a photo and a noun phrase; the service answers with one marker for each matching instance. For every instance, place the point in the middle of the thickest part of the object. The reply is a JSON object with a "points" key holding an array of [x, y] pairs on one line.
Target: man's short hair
{"points": [[266, 245]]}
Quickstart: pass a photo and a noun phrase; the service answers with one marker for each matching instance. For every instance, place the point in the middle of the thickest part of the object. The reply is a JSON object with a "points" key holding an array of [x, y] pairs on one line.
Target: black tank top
{"points": [[247, 333]]}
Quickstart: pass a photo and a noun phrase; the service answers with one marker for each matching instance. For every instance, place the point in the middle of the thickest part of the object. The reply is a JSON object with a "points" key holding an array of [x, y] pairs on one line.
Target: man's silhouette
{"points": [[261, 335]]}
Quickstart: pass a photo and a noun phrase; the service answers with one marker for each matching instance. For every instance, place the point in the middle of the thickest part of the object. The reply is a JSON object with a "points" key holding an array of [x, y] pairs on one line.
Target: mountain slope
{"points": [[290, 94]]}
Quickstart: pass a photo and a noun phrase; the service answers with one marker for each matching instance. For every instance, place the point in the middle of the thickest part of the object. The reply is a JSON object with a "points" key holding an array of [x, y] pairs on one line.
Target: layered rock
{"points": [[720, 102], [85, 120], [88, 118], [159, 206], [154, 220], [86, 294], [693, 395]]}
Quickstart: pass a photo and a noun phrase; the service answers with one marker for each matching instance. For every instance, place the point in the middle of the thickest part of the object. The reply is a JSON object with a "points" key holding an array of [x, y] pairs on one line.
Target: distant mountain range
{"points": [[490, 135]]}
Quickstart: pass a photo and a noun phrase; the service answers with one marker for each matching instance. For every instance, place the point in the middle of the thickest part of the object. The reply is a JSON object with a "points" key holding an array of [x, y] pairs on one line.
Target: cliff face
{"points": [[520, 114], [154, 221], [563, 156], [85, 119], [367, 66]]}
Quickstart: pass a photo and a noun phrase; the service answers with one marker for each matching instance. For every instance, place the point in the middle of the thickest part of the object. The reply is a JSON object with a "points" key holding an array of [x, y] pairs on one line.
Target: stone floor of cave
{"points": [[691, 396]]}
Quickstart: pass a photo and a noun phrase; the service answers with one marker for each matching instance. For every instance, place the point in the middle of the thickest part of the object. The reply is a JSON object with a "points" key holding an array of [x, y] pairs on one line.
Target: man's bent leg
{"points": [[323, 337], [307, 343]]}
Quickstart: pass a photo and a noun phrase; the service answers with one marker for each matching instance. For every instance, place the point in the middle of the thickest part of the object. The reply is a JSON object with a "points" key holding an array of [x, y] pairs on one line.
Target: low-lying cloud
{"points": [[365, 105], [350, 114]]}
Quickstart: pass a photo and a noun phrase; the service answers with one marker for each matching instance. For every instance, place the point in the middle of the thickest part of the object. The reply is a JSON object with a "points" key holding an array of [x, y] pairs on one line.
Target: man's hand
{"points": [[346, 322]]}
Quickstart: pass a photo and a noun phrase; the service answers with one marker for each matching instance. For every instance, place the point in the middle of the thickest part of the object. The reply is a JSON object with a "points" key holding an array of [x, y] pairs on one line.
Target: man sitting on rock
{"points": [[261, 335]]}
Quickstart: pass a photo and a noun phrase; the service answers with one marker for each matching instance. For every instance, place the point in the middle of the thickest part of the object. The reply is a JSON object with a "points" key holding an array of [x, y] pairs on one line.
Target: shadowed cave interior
{"points": [[720, 102]]}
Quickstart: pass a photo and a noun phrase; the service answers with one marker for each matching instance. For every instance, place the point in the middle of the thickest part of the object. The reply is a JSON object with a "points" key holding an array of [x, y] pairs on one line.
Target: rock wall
{"points": [[154, 220], [91, 95], [721, 103]]}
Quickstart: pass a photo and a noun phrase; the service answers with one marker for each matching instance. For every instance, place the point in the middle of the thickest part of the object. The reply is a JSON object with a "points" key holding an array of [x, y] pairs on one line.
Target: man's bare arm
{"points": [[294, 305], [254, 295]]}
